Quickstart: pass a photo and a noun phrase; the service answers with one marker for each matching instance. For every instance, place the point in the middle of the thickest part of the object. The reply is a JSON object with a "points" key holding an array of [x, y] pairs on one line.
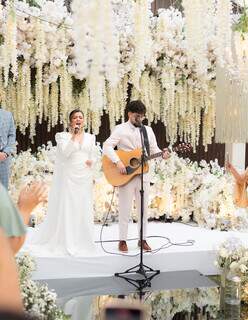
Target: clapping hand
{"points": [[228, 166], [29, 197]]}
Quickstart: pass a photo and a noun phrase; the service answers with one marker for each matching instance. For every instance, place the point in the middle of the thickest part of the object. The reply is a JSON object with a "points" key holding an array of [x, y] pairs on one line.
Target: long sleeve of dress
{"points": [[240, 193], [65, 144], [93, 150]]}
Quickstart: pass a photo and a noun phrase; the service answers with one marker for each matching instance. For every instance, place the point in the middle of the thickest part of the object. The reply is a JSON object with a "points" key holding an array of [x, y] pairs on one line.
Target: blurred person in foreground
{"points": [[241, 183], [11, 306], [12, 219]]}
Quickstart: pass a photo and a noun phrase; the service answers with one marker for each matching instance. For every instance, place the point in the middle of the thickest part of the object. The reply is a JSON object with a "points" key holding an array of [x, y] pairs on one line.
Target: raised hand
{"points": [[29, 197], [228, 166]]}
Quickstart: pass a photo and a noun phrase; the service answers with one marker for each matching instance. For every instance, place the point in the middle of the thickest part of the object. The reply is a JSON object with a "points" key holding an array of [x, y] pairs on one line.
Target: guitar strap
{"points": [[146, 141]]}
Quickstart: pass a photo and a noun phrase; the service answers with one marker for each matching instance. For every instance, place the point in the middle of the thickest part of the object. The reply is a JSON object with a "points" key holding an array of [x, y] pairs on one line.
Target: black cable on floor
{"points": [[167, 245]]}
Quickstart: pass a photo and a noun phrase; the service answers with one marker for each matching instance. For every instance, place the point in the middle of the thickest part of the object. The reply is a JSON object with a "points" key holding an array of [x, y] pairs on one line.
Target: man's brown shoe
{"points": [[123, 246], [146, 247]]}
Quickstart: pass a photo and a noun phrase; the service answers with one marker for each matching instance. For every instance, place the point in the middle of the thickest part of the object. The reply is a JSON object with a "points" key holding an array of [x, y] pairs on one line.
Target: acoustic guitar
{"points": [[132, 162]]}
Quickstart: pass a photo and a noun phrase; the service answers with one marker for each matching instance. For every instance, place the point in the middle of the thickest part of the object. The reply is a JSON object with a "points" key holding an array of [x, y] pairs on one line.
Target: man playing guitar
{"points": [[127, 137]]}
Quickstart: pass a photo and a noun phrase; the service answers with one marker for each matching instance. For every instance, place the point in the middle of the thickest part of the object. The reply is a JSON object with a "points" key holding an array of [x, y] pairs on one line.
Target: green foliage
{"points": [[242, 24], [32, 3]]}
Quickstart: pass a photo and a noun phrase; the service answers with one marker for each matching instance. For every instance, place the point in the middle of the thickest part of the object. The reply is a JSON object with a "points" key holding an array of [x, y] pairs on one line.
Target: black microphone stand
{"points": [[145, 273]]}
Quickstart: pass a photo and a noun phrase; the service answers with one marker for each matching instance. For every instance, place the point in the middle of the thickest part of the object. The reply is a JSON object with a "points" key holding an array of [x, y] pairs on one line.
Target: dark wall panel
{"points": [[215, 150]]}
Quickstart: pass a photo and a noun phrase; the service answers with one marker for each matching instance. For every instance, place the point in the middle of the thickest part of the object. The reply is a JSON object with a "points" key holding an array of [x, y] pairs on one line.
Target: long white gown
{"points": [[68, 228]]}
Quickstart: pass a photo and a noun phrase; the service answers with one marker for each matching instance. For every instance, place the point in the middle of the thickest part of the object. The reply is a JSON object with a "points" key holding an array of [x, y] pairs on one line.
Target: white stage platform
{"points": [[200, 256]]}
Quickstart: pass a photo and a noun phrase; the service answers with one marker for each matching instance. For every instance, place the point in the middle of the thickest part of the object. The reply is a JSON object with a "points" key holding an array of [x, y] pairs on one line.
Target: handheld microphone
{"points": [[76, 129]]}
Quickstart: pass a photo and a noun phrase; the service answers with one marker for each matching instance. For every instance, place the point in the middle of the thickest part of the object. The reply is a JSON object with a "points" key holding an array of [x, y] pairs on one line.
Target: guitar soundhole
{"points": [[134, 163]]}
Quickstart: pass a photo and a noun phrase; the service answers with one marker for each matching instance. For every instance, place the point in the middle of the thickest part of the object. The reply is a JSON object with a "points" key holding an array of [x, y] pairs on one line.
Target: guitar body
{"points": [[131, 160]]}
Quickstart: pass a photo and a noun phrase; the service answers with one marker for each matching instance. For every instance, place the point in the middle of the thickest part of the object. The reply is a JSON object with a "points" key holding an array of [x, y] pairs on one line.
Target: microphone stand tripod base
{"points": [[139, 276]]}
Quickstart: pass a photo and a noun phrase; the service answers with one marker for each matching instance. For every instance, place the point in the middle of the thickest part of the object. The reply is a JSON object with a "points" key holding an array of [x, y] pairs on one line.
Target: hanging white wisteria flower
{"points": [[89, 59], [96, 43], [224, 32], [142, 39], [197, 15], [9, 48]]}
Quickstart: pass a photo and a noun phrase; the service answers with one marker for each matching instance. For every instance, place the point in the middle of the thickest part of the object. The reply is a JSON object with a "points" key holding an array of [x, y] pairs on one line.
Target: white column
{"points": [[236, 155]]}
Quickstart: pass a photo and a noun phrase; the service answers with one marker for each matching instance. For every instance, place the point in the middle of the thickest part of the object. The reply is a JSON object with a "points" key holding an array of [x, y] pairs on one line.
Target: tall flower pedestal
{"points": [[232, 299], [222, 289]]}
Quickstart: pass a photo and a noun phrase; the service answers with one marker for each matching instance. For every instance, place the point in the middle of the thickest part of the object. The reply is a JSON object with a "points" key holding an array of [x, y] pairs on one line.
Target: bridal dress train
{"points": [[68, 228]]}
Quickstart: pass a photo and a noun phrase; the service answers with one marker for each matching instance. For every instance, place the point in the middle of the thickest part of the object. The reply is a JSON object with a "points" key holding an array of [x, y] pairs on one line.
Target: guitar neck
{"points": [[180, 148], [155, 155]]}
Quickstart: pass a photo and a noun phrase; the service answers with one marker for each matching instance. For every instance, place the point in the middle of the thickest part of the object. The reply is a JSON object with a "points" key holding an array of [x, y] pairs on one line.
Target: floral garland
{"points": [[72, 61], [181, 190], [38, 300]]}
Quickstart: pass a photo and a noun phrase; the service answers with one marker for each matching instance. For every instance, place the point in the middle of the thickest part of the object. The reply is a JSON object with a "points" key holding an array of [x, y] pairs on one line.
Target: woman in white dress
{"points": [[68, 228]]}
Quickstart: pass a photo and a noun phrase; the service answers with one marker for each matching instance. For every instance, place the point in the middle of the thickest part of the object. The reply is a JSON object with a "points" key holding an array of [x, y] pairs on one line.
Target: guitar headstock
{"points": [[183, 148]]}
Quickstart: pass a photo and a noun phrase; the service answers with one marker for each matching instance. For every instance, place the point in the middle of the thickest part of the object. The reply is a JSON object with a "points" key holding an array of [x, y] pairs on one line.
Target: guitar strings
{"points": [[166, 245]]}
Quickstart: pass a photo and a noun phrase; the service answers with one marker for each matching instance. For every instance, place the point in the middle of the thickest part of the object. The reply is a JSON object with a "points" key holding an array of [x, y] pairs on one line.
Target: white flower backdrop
{"points": [[181, 189], [52, 61]]}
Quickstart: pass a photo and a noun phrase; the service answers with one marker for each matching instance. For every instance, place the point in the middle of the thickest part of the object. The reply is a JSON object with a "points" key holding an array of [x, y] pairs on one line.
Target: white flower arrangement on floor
{"points": [[232, 260], [233, 257], [165, 304], [181, 190], [38, 300]]}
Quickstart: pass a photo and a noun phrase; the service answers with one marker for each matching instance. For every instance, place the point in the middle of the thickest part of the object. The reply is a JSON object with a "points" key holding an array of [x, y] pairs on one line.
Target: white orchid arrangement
{"points": [[181, 190]]}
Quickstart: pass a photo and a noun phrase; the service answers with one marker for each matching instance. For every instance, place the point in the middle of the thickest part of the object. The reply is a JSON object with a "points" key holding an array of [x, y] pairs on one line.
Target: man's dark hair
{"points": [[73, 112], [136, 106]]}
